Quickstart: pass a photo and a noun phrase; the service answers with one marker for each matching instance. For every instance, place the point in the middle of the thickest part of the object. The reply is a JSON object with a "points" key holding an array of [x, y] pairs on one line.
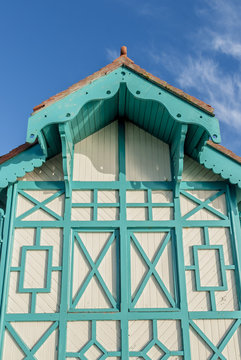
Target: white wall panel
{"points": [[108, 334], [82, 196], [53, 237], [233, 348], [108, 196], [51, 170], [136, 196], [193, 171], [152, 295], [147, 158], [188, 205], [96, 157], [11, 350], [79, 333], [49, 302], [23, 205], [221, 236], [17, 302], [162, 213], [137, 213], [49, 349], [30, 333], [197, 300], [209, 268], [228, 300], [140, 333], [200, 350], [94, 297], [36, 269], [191, 237], [107, 214], [168, 333], [22, 237], [161, 196], [82, 214], [56, 205]]}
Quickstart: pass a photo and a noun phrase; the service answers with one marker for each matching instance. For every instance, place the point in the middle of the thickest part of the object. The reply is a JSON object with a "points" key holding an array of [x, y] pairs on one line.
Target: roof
{"points": [[211, 155], [123, 60]]}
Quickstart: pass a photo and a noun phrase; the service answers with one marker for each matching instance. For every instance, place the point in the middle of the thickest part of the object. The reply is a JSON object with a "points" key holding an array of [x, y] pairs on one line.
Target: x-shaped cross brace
{"points": [[152, 270], [203, 204], [40, 205], [94, 270]]}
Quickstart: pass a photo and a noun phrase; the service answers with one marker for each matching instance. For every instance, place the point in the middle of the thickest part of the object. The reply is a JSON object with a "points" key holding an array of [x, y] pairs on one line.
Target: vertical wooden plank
{"points": [[182, 280], [65, 281], [6, 255]]}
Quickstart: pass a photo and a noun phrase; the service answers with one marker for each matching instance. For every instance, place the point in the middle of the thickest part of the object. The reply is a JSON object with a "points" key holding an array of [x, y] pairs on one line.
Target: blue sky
{"points": [[47, 46]]}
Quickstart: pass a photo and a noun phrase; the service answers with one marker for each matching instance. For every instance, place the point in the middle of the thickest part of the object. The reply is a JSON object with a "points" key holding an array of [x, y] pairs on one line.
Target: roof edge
{"points": [[16, 151], [224, 151], [123, 60]]}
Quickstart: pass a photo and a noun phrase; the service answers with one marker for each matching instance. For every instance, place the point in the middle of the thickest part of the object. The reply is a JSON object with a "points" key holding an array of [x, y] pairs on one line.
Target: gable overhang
{"points": [[122, 93], [125, 93], [21, 164], [220, 164]]}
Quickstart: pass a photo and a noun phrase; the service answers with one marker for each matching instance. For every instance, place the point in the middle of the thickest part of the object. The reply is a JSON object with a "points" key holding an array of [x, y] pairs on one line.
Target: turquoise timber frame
{"points": [[121, 93], [180, 312]]}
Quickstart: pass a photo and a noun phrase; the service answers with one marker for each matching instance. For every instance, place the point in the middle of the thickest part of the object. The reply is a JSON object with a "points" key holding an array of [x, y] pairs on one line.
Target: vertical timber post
{"points": [[123, 241]]}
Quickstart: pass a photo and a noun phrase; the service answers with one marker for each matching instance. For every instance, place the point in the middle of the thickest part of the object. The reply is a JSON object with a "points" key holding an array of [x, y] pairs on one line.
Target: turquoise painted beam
{"points": [[177, 156], [67, 155], [21, 164]]}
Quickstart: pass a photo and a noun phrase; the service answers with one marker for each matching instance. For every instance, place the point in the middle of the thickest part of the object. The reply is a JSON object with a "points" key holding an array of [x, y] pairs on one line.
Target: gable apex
{"points": [[124, 61]]}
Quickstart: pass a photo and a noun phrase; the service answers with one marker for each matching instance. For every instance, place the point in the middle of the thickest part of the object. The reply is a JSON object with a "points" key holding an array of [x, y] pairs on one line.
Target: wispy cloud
{"points": [[204, 72], [227, 46], [215, 86], [111, 54]]}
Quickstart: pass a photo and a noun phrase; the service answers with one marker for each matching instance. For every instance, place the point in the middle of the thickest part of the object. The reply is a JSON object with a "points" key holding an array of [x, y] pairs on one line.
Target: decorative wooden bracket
{"points": [[105, 88], [67, 156], [2, 216], [122, 96], [177, 155], [42, 143]]}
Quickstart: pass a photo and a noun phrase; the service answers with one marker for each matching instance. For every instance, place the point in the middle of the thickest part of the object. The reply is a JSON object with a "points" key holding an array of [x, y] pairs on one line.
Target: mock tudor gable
{"points": [[119, 226]]}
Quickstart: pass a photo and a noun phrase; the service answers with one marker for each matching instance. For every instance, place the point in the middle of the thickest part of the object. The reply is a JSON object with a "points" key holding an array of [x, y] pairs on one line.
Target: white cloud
{"points": [[112, 54], [227, 46], [203, 72], [220, 89], [223, 27]]}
